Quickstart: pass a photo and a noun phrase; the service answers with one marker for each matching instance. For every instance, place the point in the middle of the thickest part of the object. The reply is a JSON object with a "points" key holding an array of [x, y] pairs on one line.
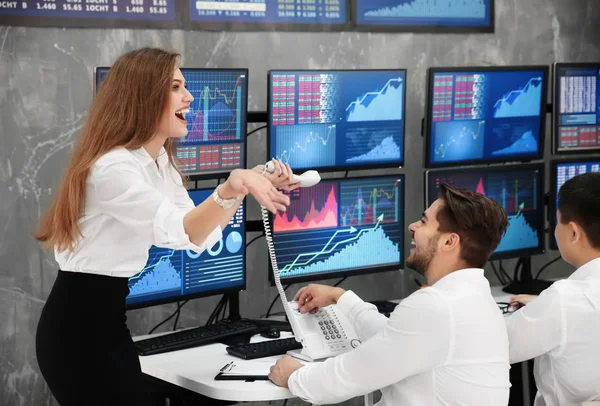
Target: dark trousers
{"points": [[84, 348]]}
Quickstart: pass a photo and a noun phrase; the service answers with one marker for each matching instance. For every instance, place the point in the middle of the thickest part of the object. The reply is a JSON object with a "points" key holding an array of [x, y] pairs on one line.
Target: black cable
{"points": [[179, 306], [167, 319], [216, 311], [285, 402], [518, 267], [254, 239], [224, 312], [273, 302], [340, 282], [499, 276], [262, 127], [546, 266], [503, 271], [346, 175]]}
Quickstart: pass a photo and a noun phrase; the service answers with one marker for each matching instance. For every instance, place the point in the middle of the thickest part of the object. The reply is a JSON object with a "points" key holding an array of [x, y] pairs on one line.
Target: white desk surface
{"points": [[195, 369]]}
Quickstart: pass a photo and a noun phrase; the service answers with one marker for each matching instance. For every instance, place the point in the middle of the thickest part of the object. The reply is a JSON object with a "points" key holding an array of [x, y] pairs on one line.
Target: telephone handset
{"points": [[326, 333]]}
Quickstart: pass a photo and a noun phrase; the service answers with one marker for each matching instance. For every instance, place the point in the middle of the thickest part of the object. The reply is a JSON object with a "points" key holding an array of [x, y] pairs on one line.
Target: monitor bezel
{"points": [[338, 168], [525, 252], [194, 176], [208, 293], [427, 126], [355, 272], [459, 29], [555, 109], [552, 207]]}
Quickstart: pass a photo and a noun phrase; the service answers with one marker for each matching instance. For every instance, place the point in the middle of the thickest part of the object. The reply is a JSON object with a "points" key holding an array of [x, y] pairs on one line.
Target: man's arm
{"points": [[413, 341], [536, 328], [365, 318]]}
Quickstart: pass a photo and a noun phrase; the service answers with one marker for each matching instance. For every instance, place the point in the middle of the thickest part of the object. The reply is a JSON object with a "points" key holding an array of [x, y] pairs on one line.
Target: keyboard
{"points": [[195, 337], [264, 348]]}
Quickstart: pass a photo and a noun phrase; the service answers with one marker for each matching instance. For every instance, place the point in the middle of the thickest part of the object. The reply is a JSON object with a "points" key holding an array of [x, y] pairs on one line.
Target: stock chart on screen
{"points": [[518, 189], [173, 274], [576, 107], [337, 119], [485, 115], [442, 13], [562, 171], [341, 227], [216, 139], [269, 11]]}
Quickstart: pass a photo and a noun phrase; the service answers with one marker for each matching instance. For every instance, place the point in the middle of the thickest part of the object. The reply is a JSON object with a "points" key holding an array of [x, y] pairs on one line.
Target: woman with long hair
{"points": [[121, 194]]}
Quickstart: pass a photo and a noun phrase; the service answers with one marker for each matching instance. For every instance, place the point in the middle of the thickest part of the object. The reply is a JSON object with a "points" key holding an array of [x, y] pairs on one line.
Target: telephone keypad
{"points": [[332, 330]]}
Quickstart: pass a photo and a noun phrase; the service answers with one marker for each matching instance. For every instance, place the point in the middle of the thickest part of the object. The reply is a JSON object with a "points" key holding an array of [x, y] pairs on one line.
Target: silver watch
{"points": [[224, 203]]}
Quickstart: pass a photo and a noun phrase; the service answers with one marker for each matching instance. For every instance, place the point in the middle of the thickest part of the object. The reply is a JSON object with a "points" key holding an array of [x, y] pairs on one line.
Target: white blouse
{"points": [[131, 204]]}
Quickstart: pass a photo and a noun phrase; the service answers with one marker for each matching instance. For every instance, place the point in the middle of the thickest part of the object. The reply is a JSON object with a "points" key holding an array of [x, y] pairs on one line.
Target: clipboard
{"points": [[245, 371]]}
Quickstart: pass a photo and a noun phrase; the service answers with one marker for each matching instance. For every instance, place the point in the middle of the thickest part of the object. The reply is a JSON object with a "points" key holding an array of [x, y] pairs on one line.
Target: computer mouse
{"points": [[270, 332]]}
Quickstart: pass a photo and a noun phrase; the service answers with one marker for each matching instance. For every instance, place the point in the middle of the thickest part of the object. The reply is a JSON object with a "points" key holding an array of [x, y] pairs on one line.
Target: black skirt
{"points": [[84, 348]]}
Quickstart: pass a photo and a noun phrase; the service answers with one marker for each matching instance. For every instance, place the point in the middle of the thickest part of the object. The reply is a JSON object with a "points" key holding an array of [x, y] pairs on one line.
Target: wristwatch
{"points": [[224, 203]]}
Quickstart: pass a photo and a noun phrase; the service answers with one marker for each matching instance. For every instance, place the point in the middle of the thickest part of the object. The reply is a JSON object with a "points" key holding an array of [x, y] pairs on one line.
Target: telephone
{"points": [[326, 333]]}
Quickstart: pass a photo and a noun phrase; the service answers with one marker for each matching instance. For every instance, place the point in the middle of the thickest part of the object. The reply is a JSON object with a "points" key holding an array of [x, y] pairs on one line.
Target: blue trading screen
{"points": [[215, 142], [517, 189], [341, 227], [446, 13], [485, 116], [270, 11], [171, 274], [578, 108], [337, 119], [161, 10], [565, 171]]}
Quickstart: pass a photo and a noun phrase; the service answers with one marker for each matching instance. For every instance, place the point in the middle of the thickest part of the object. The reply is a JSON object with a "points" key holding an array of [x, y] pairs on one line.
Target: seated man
{"points": [[445, 344], [561, 327]]}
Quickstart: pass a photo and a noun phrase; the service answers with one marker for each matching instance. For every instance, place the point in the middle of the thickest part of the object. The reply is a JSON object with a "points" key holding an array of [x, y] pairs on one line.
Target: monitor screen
{"points": [[216, 139], [341, 227], [173, 275], [576, 107], [562, 171], [483, 114], [337, 120], [419, 14], [518, 188]]}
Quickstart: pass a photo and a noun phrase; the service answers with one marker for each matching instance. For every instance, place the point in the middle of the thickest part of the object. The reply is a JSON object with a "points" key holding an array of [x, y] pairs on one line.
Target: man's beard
{"points": [[420, 260]]}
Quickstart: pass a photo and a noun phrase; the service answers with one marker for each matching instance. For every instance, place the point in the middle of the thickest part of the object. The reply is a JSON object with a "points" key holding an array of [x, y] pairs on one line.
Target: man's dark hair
{"points": [[579, 201], [479, 221]]}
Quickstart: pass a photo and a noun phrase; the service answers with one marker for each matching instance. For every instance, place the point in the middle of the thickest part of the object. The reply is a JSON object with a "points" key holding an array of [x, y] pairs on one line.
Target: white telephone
{"points": [[326, 333]]}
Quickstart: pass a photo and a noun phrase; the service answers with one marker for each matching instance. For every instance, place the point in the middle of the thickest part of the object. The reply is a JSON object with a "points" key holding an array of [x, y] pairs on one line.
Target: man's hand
{"points": [[521, 300], [310, 298], [283, 368]]}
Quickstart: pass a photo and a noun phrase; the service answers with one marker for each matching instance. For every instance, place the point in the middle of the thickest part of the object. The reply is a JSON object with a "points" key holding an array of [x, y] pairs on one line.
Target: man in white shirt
{"points": [[445, 344], [561, 327]]}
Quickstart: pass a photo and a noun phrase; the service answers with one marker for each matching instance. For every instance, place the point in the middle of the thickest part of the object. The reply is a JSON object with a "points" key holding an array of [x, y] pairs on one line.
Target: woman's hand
{"points": [[245, 181], [282, 176]]}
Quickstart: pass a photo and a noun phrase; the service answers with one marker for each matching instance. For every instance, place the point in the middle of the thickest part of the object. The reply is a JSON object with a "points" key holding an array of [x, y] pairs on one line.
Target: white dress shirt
{"points": [[131, 204], [561, 330], [443, 345]]}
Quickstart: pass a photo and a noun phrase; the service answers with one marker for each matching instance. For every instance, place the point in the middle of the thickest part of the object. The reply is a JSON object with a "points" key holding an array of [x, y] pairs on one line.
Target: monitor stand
{"points": [[523, 282]]}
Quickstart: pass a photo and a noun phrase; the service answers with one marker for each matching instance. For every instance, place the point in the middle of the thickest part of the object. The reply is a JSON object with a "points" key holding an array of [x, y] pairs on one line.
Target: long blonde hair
{"points": [[125, 113]]}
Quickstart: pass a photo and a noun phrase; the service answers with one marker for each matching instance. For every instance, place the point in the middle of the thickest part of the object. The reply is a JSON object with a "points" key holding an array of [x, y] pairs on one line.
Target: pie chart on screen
{"points": [[234, 242]]}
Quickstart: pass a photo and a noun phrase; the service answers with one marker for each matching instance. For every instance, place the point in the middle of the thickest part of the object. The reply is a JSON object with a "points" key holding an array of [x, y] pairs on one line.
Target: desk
{"points": [[195, 369]]}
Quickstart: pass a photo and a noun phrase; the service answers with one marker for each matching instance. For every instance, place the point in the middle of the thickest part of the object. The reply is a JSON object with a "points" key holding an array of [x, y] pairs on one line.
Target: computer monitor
{"points": [[339, 228], [173, 275], [481, 115], [216, 139], [560, 172], [337, 120], [518, 188], [576, 118]]}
